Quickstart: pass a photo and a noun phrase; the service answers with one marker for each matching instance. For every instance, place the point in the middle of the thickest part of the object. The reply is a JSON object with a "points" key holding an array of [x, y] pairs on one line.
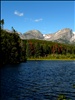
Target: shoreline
{"points": [[51, 59]]}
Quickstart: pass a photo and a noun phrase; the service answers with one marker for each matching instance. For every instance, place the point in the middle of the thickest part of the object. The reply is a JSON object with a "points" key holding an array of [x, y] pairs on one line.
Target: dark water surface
{"points": [[38, 80]]}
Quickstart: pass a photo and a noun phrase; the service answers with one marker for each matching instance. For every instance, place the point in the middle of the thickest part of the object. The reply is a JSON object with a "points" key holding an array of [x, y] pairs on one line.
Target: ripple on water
{"points": [[43, 80]]}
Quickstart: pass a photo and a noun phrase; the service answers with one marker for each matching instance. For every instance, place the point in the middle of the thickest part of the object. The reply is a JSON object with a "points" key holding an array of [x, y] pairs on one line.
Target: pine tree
{"points": [[37, 50], [28, 51]]}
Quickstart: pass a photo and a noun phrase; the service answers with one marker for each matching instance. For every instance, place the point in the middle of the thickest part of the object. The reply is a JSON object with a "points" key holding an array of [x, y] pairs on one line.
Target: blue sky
{"points": [[45, 16]]}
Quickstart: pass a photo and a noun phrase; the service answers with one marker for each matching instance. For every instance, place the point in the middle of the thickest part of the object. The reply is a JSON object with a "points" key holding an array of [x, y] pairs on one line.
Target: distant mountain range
{"points": [[62, 36]]}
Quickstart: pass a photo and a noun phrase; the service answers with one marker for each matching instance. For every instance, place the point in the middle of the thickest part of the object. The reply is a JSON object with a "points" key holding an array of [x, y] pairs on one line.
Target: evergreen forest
{"points": [[14, 50]]}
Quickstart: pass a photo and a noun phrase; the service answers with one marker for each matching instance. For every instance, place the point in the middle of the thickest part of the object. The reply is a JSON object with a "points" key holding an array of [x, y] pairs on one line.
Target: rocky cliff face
{"points": [[33, 34], [72, 40], [62, 36]]}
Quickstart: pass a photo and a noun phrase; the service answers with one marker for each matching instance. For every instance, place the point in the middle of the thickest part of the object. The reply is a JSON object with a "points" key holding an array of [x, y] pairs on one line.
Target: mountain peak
{"points": [[63, 36], [33, 34]]}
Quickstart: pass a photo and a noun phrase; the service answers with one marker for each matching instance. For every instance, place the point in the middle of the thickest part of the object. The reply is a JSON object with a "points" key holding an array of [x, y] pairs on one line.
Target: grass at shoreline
{"points": [[48, 59], [54, 57]]}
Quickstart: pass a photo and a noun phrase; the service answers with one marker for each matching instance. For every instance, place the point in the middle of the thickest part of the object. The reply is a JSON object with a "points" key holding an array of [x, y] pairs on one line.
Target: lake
{"points": [[38, 80]]}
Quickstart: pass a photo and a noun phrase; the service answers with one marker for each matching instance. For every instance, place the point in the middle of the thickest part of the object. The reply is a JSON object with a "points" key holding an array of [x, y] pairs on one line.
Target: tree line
{"points": [[41, 48], [14, 50]]}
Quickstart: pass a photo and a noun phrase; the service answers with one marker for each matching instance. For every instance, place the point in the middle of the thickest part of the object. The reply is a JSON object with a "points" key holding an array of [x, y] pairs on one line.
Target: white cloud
{"points": [[37, 20], [18, 13]]}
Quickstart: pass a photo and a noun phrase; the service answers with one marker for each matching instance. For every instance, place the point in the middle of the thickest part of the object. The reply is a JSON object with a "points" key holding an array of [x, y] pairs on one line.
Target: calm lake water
{"points": [[38, 80]]}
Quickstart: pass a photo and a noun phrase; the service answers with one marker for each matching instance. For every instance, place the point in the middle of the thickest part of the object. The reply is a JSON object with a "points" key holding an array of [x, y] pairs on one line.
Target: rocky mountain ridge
{"points": [[62, 36], [33, 34]]}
